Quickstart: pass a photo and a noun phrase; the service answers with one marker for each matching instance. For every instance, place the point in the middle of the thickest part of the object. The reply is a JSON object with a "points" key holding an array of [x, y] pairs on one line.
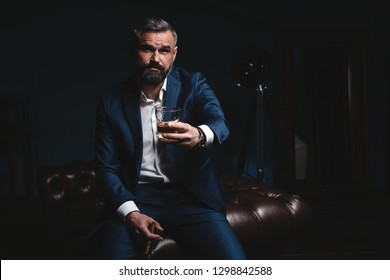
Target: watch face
{"points": [[202, 138]]}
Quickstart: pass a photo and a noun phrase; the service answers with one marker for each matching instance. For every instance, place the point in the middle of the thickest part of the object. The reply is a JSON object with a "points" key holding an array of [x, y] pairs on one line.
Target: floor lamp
{"points": [[248, 71]]}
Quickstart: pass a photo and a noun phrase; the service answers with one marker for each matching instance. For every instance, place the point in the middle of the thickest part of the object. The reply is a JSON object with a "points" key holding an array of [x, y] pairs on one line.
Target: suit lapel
{"points": [[173, 90], [131, 109], [172, 99]]}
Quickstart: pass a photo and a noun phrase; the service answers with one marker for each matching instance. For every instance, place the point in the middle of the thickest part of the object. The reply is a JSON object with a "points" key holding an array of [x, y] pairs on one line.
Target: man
{"points": [[171, 185]]}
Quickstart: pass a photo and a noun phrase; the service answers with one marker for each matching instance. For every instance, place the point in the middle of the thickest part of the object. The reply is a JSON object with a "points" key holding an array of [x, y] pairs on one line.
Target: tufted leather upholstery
{"points": [[264, 218]]}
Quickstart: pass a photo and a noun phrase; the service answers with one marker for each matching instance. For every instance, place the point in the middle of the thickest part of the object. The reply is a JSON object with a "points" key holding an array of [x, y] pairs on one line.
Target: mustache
{"points": [[153, 65]]}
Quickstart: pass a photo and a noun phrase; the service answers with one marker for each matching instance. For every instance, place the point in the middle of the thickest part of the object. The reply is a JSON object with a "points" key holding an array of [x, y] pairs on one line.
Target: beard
{"points": [[153, 77]]}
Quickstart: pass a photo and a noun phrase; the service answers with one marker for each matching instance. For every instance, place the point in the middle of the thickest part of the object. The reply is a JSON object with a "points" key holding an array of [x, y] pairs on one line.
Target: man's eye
{"points": [[146, 49]]}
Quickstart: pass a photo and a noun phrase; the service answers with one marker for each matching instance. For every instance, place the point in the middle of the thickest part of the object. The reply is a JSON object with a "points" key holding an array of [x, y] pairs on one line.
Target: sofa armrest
{"points": [[71, 200], [264, 218]]}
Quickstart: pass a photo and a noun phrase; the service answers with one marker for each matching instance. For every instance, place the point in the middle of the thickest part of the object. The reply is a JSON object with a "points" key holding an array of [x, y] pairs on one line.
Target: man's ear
{"points": [[175, 52]]}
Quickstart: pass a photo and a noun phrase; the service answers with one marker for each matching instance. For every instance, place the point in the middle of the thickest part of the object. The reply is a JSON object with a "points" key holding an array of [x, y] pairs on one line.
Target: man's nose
{"points": [[155, 56]]}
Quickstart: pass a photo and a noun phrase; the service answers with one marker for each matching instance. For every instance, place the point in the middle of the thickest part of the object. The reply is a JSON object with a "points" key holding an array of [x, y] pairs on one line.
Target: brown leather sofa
{"points": [[264, 218]]}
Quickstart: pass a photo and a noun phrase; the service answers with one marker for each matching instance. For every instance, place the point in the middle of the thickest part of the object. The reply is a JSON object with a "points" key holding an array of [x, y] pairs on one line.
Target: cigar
{"points": [[149, 242]]}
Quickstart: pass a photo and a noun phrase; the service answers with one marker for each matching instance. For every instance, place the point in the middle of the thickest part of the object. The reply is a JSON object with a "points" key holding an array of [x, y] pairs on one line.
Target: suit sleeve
{"points": [[107, 163], [209, 110]]}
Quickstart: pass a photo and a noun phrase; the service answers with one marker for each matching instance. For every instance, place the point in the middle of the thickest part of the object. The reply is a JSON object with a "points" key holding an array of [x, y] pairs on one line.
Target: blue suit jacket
{"points": [[118, 145]]}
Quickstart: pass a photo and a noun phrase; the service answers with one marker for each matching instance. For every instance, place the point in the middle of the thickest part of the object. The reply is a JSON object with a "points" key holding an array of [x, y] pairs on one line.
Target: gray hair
{"points": [[155, 25]]}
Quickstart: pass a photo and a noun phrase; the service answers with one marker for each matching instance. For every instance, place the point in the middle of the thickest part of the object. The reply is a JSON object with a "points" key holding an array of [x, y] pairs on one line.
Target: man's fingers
{"points": [[151, 228], [158, 226]]}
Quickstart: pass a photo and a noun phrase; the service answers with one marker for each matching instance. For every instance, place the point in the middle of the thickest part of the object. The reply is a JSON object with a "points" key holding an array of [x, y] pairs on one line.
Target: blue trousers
{"points": [[197, 229]]}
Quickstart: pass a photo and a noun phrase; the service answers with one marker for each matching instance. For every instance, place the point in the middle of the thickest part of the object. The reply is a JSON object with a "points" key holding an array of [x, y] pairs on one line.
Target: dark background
{"points": [[61, 55]]}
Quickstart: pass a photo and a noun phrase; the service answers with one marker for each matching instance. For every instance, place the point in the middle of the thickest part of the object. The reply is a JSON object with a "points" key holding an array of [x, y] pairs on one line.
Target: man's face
{"points": [[155, 56]]}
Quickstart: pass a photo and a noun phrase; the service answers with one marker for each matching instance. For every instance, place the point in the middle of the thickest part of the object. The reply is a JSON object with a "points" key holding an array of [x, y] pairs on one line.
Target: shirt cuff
{"points": [[126, 208], [209, 134]]}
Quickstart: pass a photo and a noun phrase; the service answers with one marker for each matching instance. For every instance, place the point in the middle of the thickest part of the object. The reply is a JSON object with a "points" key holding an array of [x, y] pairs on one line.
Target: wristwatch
{"points": [[202, 138]]}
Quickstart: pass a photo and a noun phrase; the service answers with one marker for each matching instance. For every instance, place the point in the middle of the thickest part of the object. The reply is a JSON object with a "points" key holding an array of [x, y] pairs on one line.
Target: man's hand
{"points": [[142, 223], [185, 135]]}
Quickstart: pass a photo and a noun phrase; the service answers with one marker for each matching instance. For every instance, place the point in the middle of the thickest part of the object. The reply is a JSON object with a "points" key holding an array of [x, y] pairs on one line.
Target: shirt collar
{"points": [[160, 96]]}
